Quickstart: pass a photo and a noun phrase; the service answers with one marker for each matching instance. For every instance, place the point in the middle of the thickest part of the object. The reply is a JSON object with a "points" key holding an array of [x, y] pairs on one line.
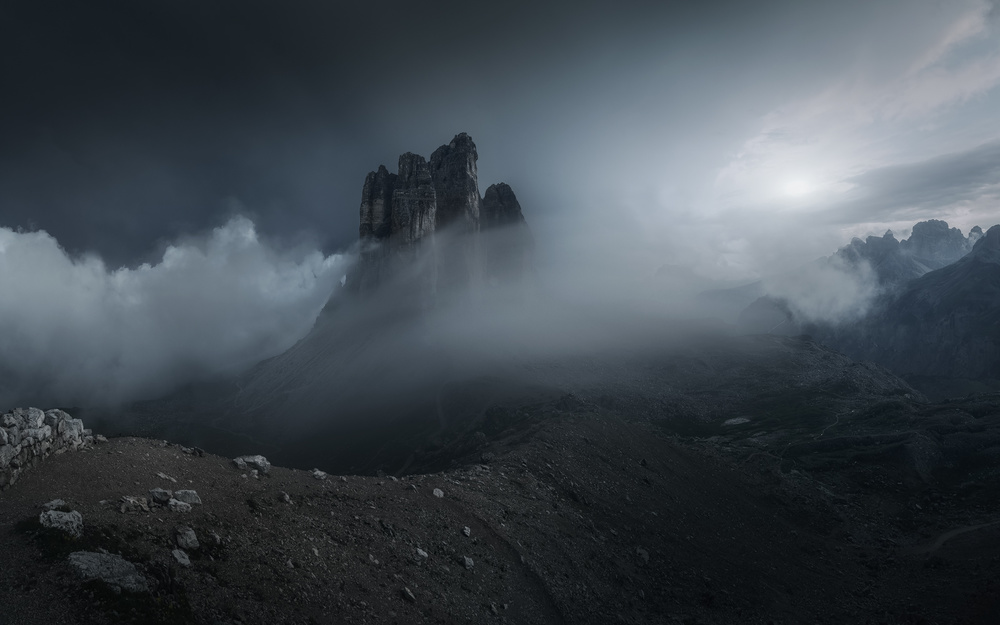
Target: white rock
{"points": [[181, 557], [55, 503], [438, 493], [319, 475], [467, 530], [421, 553], [69, 522], [467, 562]]}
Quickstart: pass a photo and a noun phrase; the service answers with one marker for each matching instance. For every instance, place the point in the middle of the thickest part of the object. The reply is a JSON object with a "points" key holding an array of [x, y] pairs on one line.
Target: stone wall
{"points": [[28, 435]]}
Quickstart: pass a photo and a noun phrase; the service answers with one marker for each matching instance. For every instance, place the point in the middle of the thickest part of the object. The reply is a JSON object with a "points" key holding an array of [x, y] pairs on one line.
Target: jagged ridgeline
{"points": [[426, 226]]}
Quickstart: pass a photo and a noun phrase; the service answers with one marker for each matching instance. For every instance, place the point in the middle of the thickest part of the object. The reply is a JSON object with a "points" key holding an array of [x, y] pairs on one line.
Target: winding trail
{"points": [[943, 538]]}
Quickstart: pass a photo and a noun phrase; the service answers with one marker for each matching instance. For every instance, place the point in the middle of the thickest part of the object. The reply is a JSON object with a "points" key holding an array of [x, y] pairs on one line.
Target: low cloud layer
{"points": [[76, 332], [826, 291]]}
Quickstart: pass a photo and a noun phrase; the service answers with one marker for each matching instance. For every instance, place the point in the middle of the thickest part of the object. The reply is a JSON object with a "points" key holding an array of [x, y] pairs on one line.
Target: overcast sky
{"points": [[758, 131], [180, 180]]}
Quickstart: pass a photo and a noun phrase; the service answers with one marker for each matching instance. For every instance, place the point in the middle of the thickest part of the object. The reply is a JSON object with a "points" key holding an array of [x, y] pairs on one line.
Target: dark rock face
{"points": [[509, 244], [414, 201], [376, 204], [453, 168], [500, 207], [401, 214], [987, 248]]}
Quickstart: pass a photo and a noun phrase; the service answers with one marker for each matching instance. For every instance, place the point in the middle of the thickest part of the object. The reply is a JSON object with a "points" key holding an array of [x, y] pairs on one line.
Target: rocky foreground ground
{"points": [[579, 516]]}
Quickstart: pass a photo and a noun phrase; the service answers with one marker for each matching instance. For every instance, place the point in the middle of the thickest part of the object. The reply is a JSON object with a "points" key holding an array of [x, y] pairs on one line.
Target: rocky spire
{"points": [[453, 168], [507, 242], [376, 204], [401, 212], [414, 201], [988, 246], [500, 207]]}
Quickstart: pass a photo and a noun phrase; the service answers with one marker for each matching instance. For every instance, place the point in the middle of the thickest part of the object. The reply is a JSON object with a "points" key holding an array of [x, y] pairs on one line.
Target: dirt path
{"points": [[943, 538]]}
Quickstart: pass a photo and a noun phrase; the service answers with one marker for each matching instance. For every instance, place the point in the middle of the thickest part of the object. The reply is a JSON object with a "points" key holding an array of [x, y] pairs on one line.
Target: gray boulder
{"points": [[70, 523], [258, 462], [33, 418], [115, 571], [7, 453], [188, 497], [178, 506], [160, 496], [186, 538]]}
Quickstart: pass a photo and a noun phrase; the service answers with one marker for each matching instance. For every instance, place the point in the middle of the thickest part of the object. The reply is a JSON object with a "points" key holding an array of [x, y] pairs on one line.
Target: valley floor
{"points": [[582, 517]]}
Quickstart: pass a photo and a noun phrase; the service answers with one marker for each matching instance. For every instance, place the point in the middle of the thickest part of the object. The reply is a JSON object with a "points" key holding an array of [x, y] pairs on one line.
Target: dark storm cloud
{"points": [[920, 190], [126, 124]]}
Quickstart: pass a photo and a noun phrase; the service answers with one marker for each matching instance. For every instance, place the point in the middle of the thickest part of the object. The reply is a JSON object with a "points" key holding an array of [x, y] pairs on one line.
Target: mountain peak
{"points": [[400, 212], [988, 246]]}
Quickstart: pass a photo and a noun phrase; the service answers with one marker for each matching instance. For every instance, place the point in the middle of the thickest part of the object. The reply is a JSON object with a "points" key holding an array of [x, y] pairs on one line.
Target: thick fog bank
{"points": [[76, 332], [377, 355]]}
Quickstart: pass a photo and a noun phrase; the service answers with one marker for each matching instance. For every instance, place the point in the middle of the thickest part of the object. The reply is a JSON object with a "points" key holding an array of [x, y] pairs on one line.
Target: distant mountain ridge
{"points": [[886, 262], [943, 323], [931, 245], [935, 315]]}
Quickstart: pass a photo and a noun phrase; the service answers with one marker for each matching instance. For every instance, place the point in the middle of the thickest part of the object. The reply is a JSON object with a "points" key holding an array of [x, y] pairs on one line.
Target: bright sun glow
{"points": [[797, 188]]}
